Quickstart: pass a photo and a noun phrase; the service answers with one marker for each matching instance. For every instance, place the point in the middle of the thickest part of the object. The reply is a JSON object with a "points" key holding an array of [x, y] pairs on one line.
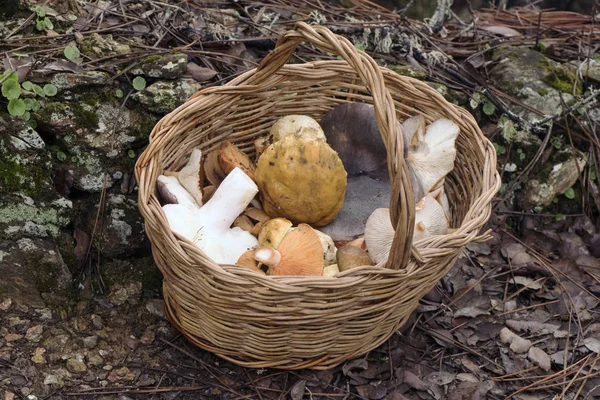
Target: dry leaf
{"points": [[539, 357], [502, 30], [528, 282], [470, 312], [199, 73], [592, 344], [440, 378], [414, 381], [517, 343], [532, 327], [297, 392]]}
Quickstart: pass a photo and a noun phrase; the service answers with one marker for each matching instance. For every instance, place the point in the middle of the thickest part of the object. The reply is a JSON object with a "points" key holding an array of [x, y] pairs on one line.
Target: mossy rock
{"points": [[163, 66]]}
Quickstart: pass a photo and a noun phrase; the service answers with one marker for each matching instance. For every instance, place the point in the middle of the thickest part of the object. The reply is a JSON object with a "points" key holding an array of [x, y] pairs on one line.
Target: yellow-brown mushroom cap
{"points": [[301, 180]]}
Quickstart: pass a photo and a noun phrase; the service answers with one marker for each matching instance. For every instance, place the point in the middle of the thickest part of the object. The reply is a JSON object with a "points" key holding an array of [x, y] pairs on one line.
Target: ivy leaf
{"points": [[37, 89], [131, 153], [50, 90], [119, 93], [26, 116], [488, 108], [35, 106], [139, 83], [33, 123], [40, 11], [71, 52], [16, 107], [570, 193], [11, 89], [28, 104], [27, 86], [48, 24], [560, 217], [40, 25]]}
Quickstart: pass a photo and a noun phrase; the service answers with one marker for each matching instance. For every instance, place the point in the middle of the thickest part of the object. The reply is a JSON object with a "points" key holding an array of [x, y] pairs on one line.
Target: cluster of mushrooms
{"points": [[263, 214]]}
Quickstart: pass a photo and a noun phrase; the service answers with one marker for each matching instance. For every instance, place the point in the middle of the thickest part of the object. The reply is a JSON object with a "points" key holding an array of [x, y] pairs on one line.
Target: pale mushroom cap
{"points": [[379, 235], [301, 253], [434, 158], [273, 231], [331, 270], [430, 218], [414, 129], [300, 126], [349, 256], [440, 196], [191, 177]]}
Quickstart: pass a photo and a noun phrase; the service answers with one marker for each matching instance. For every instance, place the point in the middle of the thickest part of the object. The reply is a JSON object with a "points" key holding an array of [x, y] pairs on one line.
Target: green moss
{"points": [[85, 117], [542, 91], [406, 70], [15, 177], [560, 77]]}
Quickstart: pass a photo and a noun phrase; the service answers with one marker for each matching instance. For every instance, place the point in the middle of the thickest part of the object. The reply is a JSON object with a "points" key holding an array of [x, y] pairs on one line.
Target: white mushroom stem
{"points": [[209, 226], [268, 256]]}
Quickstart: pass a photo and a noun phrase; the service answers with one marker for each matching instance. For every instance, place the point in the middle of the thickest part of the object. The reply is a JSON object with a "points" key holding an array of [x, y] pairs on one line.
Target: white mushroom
{"points": [[191, 176], [433, 158], [379, 235], [414, 130], [430, 218], [172, 192], [209, 226]]}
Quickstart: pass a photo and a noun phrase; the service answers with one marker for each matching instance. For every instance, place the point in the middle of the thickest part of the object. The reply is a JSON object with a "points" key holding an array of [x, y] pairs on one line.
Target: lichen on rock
{"points": [[164, 66], [164, 96]]}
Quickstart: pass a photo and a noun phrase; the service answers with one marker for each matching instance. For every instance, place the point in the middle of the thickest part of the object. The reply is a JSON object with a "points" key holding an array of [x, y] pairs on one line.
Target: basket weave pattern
{"points": [[310, 322]]}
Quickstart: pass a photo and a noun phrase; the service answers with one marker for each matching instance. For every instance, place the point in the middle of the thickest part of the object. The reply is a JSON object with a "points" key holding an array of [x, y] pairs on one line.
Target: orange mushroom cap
{"points": [[300, 254]]}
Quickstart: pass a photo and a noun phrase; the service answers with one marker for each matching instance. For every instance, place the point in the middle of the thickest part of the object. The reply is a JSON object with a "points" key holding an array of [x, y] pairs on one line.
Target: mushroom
{"points": [[230, 157], [351, 256], [439, 193], [273, 231], [299, 254], [212, 169], [208, 227], [191, 176], [301, 180], [247, 260], [171, 191], [256, 214], [298, 126], [363, 195], [414, 130], [331, 270], [244, 222], [208, 192], [433, 158], [351, 130], [430, 218], [379, 235]]}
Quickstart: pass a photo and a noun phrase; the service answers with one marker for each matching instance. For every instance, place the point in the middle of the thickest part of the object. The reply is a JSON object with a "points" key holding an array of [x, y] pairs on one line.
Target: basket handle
{"points": [[402, 203]]}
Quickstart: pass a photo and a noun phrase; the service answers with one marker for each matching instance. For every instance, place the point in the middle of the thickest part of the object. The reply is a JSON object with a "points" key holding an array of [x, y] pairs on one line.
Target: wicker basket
{"points": [[310, 322]]}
